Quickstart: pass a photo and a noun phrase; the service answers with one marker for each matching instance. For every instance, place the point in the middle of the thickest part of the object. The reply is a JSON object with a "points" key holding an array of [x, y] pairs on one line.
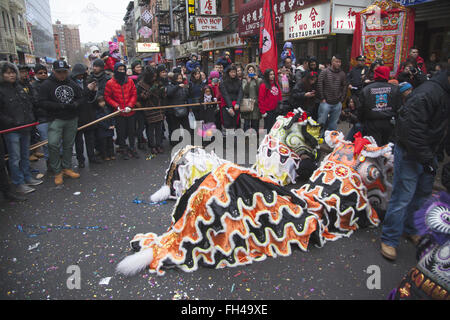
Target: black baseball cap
{"points": [[60, 65]]}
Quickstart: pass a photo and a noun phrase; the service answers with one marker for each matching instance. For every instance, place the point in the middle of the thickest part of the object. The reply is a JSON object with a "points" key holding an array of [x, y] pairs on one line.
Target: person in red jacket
{"points": [[121, 95], [268, 99], [113, 57]]}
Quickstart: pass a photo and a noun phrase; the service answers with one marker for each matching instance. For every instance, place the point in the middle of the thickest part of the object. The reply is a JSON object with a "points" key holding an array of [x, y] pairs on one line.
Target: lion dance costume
{"points": [[430, 279], [233, 217]]}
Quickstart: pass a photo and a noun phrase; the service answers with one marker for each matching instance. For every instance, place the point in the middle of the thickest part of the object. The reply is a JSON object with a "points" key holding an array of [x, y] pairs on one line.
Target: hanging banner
{"points": [[384, 30], [307, 23], [208, 7], [222, 42], [250, 14], [344, 18]]}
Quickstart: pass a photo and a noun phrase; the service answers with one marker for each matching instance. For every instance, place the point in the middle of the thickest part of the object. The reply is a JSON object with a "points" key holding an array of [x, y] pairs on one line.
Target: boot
{"points": [[39, 154], [59, 179], [70, 173], [33, 158], [388, 252]]}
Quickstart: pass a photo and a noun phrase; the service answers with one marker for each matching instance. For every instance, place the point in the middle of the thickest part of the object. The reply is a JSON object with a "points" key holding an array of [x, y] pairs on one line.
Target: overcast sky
{"points": [[98, 19]]}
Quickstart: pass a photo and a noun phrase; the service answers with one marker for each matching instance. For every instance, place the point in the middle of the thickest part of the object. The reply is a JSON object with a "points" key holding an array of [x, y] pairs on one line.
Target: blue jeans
{"points": [[43, 132], [411, 188], [18, 144], [329, 116]]}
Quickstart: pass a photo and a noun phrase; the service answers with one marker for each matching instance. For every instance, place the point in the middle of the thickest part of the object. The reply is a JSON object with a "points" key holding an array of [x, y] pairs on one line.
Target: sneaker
{"points": [[12, 196], [388, 252], [70, 173], [24, 189], [33, 182], [59, 179]]}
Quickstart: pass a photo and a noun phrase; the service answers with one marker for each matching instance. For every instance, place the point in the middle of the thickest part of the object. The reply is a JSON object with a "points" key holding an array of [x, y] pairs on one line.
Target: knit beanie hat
{"points": [[99, 63], [382, 73], [39, 67], [214, 74], [135, 63], [405, 86]]}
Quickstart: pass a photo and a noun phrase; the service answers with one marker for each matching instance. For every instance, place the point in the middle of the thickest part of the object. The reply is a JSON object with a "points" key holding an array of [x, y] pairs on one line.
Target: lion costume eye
{"points": [[438, 218]]}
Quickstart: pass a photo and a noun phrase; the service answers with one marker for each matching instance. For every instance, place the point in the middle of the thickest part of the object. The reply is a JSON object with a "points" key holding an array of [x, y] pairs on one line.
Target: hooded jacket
{"points": [[121, 96], [286, 54], [87, 105], [16, 107], [422, 122], [191, 65]]}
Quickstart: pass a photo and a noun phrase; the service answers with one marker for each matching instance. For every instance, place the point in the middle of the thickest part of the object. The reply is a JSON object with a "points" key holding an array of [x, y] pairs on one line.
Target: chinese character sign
{"points": [[306, 23], [208, 7]]}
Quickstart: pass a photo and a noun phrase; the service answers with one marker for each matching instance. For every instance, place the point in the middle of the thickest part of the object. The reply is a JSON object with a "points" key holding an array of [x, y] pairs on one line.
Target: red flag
{"points": [[267, 41]]}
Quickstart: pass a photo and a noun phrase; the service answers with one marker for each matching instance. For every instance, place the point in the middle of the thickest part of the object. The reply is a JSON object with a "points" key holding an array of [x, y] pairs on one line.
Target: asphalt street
{"points": [[89, 223]]}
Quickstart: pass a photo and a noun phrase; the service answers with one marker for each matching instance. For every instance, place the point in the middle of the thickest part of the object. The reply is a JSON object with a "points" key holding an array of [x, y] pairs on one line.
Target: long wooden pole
{"points": [[43, 143]]}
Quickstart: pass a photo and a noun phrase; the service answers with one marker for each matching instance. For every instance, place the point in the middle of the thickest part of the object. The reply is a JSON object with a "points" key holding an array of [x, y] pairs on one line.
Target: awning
{"points": [[251, 13]]}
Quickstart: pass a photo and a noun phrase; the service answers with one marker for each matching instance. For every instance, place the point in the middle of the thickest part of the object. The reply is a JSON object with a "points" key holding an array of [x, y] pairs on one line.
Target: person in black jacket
{"points": [[61, 97], [177, 94], [411, 73], [421, 125], [41, 75], [232, 94], [378, 104], [304, 94], [86, 114], [356, 75], [16, 109]]}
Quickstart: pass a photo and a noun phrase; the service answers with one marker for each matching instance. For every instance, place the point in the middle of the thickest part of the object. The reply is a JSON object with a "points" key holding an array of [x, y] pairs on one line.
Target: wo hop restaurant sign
{"points": [[250, 14], [307, 23]]}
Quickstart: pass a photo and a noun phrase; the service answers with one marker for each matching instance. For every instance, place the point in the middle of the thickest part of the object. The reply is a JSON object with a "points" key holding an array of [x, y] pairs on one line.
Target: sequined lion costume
{"points": [[290, 149], [233, 217], [430, 278]]}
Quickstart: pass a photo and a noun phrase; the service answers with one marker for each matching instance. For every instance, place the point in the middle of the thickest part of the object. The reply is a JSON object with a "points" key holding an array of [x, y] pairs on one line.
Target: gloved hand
{"points": [[429, 168], [231, 112], [264, 115], [127, 110]]}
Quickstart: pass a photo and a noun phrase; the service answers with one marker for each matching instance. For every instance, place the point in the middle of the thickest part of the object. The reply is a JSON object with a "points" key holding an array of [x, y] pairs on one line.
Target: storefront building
{"points": [[213, 49]]}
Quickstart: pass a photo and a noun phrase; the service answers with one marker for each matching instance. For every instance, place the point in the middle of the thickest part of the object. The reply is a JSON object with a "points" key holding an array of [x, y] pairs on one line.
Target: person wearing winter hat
{"points": [[114, 56], [61, 97], [379, 102], [136, 69], [16, 109], [288, 52], [225, 60], [405, 89], [192, 64], [421, 126], [41, 75], [86, 114], [121, 94]]}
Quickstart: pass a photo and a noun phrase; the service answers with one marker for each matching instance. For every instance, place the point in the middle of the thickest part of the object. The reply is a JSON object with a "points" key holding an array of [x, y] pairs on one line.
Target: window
{"points": [[232, 6]]}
